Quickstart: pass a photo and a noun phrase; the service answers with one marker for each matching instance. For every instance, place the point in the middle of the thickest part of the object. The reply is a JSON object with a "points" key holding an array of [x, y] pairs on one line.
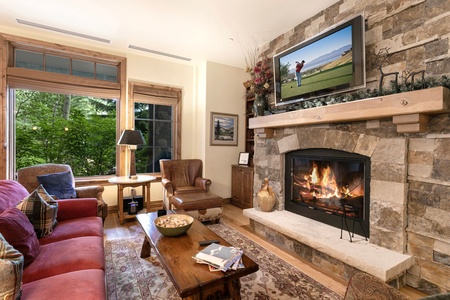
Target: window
{"points": [[65, 129], [63, 105], [64, 65], [157, 116], [155, 122]]}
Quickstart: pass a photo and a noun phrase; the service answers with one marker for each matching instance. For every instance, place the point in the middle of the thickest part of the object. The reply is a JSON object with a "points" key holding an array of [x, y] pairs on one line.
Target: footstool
{"points": [[204, 206]]}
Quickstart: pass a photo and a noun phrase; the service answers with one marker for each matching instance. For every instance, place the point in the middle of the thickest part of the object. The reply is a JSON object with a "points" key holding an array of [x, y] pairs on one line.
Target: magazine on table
{"points": [[220, 257]]}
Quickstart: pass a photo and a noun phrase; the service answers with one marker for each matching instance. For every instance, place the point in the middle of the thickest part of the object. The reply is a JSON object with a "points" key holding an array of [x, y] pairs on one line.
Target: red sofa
{"points": [[70, 263]]}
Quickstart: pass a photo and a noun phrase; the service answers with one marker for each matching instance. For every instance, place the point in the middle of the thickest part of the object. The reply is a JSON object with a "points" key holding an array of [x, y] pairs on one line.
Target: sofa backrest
{"points": [[11, 193]]}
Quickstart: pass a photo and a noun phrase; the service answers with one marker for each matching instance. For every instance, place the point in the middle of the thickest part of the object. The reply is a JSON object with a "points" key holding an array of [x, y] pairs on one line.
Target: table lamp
{"points": [[132, 138]]}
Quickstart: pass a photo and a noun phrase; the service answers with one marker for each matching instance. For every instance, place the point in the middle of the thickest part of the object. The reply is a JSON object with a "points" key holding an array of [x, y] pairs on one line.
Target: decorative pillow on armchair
{"points": [[41, 209], [58, 184], [11, 271]]}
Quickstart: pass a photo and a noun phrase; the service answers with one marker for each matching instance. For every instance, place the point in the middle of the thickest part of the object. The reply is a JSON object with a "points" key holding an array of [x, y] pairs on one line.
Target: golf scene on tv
{"points": [[319, 68]]}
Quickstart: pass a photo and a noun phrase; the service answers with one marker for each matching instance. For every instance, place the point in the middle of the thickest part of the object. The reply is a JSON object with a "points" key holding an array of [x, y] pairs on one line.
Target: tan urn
{"points": [[266, 197]]}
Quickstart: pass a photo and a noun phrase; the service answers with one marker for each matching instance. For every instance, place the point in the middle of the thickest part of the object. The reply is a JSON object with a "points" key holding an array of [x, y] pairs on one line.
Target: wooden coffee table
{"points": [[192, 280]]}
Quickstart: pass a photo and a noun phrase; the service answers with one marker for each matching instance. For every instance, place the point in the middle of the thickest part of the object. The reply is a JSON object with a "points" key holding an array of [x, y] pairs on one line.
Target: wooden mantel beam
{"points": [[421, 103]]}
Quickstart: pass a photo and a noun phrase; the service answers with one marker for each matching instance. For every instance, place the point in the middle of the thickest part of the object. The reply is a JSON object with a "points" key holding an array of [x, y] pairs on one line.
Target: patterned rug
{"points": [[130, 277]]}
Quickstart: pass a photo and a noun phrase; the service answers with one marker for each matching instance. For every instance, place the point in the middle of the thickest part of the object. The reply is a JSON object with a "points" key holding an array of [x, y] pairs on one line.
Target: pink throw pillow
{"points": [[19, 232]]}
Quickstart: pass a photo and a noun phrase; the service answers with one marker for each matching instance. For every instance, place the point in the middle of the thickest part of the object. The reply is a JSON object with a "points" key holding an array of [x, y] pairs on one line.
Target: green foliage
{"points": [[75, 130], [363, 94]]}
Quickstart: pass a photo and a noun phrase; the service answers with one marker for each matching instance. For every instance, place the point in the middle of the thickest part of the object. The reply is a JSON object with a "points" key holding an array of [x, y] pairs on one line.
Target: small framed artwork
{"points": [[224, 129], [243, 158]]}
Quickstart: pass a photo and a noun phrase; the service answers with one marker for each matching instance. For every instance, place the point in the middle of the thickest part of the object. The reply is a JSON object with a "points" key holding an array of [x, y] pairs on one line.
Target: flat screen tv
{"points": [[331, 62]]}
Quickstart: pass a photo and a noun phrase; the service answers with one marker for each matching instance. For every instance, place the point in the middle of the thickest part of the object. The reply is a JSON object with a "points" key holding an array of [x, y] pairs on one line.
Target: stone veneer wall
{"points": [[417, 165], [388, 173]]}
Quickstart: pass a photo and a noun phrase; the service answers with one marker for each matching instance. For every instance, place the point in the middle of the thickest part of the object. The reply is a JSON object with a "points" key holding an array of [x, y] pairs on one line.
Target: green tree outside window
{"points": [[74, 130]]}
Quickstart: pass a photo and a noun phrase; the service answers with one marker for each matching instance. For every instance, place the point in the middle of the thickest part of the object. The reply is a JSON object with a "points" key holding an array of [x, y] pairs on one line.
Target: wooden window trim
{"points": [[53, 81], [145, 92]]}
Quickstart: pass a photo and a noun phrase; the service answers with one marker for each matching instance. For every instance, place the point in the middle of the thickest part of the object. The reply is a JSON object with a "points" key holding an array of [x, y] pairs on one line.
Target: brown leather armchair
{"points": [[182, 176], [28, 178]]}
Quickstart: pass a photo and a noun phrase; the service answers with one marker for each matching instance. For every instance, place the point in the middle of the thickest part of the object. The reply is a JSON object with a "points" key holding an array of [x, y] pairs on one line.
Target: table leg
{"points": [[120, 199], [146, 248], [234, 288], [230, 290], [147, 198]]}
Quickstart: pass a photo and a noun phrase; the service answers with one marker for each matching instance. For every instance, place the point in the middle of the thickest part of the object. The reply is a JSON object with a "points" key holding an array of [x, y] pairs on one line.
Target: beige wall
{"points": [[224, 94]]}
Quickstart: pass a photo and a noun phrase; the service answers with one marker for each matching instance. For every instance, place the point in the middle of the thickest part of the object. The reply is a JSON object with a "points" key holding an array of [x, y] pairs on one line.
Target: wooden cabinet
{"points": [[242, 186]]}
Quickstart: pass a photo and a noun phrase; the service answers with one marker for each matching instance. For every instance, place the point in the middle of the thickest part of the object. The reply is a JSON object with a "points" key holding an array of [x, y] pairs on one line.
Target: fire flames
{"points": [[321, 183]]}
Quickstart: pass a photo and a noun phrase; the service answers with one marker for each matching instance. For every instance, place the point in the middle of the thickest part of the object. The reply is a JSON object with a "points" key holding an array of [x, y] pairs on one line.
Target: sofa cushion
{"points": [[41, 209], [11, 268], [11, 193], [18, 231], [89, 226], [70, 255], [77, 285], [58, 184]]}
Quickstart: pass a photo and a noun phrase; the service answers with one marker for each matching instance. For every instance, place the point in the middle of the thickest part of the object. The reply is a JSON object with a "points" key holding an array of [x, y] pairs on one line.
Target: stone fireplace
{"points": [[388, 175], [388, 188], [329, 186], [393, 168]]}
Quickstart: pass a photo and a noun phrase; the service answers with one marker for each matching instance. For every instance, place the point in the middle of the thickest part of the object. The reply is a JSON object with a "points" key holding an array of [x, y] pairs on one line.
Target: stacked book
{"points": [[220, 258]]}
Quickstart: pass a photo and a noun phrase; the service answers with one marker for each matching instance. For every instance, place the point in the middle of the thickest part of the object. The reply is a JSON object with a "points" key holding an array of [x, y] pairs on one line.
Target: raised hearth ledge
{"points": [[377, 261], [414, 107]]}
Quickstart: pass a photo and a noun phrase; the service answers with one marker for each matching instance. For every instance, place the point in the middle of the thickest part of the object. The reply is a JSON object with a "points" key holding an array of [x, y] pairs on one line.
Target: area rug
{"points": [[130, 277]]}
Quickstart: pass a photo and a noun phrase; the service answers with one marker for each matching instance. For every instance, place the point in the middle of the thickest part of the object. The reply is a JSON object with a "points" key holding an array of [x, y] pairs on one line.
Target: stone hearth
{"points": [[320, 245]]}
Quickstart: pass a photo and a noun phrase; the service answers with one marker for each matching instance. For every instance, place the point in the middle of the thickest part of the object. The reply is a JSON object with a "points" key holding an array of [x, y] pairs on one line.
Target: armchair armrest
{"points": [[168, 185], [203, 183], [76, 208], [90, 192]]}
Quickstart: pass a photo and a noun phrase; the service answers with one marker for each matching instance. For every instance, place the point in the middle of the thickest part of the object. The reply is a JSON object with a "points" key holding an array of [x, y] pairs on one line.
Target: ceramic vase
{"points": [[266, 197], [260, 104]]}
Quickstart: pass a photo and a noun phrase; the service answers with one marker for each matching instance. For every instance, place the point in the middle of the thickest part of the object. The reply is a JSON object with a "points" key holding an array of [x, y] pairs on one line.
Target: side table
{"points": [[123, 182]]}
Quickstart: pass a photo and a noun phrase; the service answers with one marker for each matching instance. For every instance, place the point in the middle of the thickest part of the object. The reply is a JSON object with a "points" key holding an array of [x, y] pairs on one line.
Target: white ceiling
{"points": [[196, 29]]}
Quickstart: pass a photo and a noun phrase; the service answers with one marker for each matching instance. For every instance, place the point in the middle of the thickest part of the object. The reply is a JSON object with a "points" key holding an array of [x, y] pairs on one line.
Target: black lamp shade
{"points": [[131, 137]]}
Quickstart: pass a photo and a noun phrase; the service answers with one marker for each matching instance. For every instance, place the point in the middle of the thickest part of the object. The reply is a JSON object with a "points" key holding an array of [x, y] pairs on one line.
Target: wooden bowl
{"points": [[174, 224]]}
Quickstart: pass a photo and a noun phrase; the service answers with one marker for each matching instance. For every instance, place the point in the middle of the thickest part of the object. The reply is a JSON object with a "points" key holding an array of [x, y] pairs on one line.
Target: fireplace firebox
{"points": [[329, 186]]}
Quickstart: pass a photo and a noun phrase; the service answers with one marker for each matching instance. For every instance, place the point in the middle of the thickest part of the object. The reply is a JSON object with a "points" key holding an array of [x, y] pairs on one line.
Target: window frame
{"points": [[13, 77], [139, 92]]}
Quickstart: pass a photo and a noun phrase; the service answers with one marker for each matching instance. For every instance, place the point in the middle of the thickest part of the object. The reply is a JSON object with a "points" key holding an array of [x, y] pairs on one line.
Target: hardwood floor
{"points": [[233, 217]]}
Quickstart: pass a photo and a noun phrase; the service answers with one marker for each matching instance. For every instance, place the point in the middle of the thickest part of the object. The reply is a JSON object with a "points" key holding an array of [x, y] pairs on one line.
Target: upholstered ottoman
{"points": [[204, 206]]}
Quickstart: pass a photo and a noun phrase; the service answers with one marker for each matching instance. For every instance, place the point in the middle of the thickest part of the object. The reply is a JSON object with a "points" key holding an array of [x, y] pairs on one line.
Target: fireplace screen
{"points": [[325, 184]]}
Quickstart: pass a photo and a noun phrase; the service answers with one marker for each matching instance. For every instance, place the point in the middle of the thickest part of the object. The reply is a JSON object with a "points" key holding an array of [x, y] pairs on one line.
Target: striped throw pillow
{"points": [[11, 270], [41, 209]]}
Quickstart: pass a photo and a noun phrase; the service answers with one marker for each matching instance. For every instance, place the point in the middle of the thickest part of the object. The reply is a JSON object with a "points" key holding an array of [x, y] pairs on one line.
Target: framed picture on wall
{"points": [[224, 129], [243, 158]]}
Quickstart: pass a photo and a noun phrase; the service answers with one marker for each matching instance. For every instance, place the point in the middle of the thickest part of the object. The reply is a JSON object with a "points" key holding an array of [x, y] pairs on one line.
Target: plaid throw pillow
{"points": [[11, 270], [41, 210]]}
